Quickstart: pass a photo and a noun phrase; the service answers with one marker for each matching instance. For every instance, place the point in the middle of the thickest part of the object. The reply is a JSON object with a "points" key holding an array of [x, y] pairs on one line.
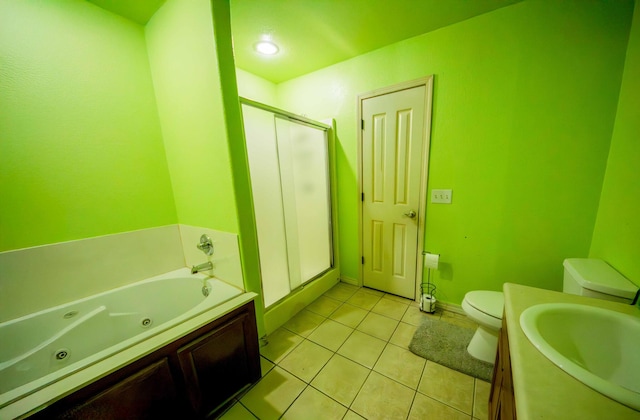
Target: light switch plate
{"points": [[441, 196]]}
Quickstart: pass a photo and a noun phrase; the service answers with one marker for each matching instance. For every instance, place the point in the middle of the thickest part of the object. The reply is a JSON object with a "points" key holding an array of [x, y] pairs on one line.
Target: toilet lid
{"points": [[597, 275], [489, 302]]}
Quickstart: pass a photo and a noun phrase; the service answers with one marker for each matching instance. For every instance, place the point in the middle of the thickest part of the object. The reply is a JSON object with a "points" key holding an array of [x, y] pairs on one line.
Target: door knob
{"points": [[411, 214]]}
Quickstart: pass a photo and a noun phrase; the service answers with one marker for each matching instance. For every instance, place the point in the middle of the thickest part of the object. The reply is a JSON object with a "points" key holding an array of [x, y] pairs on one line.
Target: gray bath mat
{"points": [[446, 344]]}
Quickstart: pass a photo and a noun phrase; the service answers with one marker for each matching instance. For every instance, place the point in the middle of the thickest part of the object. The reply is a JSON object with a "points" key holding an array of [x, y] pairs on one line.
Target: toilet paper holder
{"points": [[428, 298], [428, 289], [430, 260]]}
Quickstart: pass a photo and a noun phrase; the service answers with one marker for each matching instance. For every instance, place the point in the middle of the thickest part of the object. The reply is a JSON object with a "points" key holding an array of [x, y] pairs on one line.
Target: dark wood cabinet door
{"points": [[220, 363], [148, 394], [188, 378], [501, 400], [496, 385]]}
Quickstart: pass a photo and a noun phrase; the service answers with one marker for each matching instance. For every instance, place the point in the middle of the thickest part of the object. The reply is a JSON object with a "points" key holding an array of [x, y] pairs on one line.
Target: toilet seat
{"points": [[485, 307]]}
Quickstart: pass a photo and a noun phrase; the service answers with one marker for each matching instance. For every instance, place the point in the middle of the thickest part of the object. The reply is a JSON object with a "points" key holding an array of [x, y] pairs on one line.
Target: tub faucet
{"points": [[202, 267], [205, 245]]}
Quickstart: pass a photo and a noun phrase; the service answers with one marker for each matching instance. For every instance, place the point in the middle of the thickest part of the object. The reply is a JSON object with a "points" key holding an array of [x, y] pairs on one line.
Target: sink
{"points": [[598, 347]]}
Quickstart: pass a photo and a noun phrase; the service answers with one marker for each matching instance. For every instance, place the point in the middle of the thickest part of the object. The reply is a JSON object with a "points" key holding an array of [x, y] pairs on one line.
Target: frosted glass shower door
{"points": [[289, 169], [304, 178], [260, 134]]}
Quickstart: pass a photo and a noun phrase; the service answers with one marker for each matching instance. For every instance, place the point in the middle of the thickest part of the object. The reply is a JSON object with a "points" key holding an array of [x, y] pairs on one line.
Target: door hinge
{"points": [[362, 197], [362, 260], [362, 124]]}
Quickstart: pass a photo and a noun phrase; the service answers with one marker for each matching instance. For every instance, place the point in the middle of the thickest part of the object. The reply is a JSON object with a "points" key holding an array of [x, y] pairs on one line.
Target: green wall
{"points": [[524, 104], [256, 88], [81, 151], [616, 237], [90, 102], [238, 152], [184, 63]]}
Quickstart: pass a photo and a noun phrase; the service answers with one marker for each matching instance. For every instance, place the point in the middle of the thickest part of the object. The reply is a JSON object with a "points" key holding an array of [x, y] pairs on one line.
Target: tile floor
{"points": [[345, 356]]}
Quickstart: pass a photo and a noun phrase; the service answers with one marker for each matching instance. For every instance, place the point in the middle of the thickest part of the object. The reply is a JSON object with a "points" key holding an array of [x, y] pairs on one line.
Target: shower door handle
{"points": [[411, 214]]}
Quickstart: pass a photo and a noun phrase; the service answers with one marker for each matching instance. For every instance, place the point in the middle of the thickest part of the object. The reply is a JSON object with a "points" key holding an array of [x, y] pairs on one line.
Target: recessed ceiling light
{"points": [[266, 48]]}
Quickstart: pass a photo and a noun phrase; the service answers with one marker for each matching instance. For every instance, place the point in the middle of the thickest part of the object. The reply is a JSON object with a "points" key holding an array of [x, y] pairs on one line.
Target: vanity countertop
{"points": [[542, 390]]}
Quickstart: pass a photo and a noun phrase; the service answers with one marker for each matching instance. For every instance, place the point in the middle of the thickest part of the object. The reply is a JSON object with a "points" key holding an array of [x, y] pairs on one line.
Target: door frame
{"points": [[424, 172]]}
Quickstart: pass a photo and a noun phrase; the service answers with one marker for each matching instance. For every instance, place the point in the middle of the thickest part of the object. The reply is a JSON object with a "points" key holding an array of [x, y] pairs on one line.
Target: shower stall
{"points": [[290, 179]]}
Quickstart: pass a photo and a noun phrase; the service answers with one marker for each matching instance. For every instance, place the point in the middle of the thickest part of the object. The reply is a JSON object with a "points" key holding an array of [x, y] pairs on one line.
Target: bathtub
{"points": [[43, 348]]}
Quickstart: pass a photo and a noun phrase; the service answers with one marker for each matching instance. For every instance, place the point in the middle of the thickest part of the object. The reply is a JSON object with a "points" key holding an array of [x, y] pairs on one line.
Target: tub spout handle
{"points": [[202, 267], [206, 245]]}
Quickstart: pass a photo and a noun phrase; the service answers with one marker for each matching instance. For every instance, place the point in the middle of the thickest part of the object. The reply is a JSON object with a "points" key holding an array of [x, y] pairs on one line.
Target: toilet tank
{"points": [[595, 278]]}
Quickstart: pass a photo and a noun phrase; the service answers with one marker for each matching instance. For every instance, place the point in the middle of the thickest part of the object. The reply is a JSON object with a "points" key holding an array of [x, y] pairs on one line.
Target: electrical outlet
{"points": [[441, 196]]}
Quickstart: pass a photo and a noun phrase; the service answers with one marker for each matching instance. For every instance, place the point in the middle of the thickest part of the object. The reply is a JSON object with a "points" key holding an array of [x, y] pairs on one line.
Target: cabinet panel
{"points": [[496, 386], [501, 400], [218, 364], [148, 394], [188, 378]]}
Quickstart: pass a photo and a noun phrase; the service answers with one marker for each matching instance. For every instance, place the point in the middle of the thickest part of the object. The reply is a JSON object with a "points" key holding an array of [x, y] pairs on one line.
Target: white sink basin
{"points": [[598, 347]]}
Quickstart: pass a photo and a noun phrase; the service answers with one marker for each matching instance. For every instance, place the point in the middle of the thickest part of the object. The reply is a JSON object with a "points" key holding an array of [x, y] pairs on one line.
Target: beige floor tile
{"points": [[437, 314], [265, 366], [403, 335], [400, 365], [373, 291], [313, 404], [448, 386], [271, 397], [481, 400], [330, 334], [383, 398], [306, 360], [363, 299], [378, 326], [237, 412], [352, 416], [398, 299], [425, 408], [324, 306], [349, 315], [281, 342], [415, 316], [390, 308], [304, 322], [341, 291], [362, 348], [341, 379]]}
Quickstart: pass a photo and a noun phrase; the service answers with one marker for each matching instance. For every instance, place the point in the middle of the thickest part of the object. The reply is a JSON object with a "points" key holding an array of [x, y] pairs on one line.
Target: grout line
{"points": [[370, 370], [247, 408], [413, 400], [295, 399]]}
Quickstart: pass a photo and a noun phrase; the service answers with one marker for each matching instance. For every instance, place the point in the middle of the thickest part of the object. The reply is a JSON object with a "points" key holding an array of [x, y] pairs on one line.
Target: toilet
{"points": [[597, 279], [485, 308], [582, 276]]}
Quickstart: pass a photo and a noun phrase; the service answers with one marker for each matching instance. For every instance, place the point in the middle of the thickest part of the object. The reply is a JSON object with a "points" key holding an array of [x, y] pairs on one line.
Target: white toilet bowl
{"points": [[485, 308]]}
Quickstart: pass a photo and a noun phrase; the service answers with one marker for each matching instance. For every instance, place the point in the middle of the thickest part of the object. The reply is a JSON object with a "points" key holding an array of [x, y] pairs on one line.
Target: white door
{"points": [[393, 137]]}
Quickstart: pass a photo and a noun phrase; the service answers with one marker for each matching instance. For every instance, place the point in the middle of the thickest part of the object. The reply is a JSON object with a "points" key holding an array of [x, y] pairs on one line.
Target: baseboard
{"points": [[451, 307], [349, 280]]}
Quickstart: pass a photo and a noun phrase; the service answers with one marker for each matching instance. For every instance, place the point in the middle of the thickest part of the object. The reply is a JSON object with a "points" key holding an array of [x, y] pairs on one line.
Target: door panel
{"points": [[262, 153], [393, 138], [303, 153], [289, 165]]}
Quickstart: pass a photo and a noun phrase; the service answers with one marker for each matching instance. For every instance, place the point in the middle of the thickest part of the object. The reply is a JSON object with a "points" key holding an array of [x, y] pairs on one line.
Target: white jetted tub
{"points": [[40, 349]]}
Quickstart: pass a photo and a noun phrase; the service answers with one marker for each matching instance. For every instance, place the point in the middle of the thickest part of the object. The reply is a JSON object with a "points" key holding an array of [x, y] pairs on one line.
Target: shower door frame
{"points": [[331, 178]]}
